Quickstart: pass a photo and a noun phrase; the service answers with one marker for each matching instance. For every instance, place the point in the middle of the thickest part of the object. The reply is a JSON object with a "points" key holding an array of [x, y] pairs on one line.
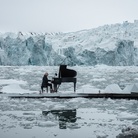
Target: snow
{"points": [[14, 88], [131, 88], [47, 124], [127, 116], [113, 88], [97, 118], [11, 81], [87, 88]]}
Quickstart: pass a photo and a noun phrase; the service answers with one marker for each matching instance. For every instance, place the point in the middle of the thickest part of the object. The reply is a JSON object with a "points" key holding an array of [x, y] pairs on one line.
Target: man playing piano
{"points": [[45, 82]]}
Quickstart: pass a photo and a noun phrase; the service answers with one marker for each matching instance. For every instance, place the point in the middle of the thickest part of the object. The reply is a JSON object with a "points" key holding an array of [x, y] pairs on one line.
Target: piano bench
{"points": [[46, 88]]}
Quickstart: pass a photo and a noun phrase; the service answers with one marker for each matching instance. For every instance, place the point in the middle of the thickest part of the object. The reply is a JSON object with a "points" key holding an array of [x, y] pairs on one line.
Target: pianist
{"points": [[45, 82]]}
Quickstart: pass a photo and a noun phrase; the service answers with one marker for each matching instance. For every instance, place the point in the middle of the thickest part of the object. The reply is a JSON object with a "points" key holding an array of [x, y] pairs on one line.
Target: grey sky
{"points": [[64, 15]]}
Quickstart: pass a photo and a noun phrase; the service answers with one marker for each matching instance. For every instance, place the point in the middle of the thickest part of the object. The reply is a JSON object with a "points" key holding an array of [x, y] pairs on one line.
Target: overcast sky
{"points": [[64, 15]]}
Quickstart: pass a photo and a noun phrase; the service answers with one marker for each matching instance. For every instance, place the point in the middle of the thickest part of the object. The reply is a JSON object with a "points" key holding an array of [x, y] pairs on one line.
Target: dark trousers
{"points": [[48, 84]]}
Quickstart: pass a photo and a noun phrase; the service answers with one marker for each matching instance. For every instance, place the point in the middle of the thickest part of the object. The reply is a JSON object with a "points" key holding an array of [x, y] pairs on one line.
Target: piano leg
{"points": [[55, 87], [74, 86]]}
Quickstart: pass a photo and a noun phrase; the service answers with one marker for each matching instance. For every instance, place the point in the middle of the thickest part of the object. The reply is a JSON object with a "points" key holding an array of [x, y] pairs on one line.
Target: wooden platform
{"points": [[77, 95]]}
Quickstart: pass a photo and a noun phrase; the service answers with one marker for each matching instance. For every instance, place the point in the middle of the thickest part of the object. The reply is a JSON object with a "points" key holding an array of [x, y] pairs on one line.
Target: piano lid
{"points": [[64, 72]]}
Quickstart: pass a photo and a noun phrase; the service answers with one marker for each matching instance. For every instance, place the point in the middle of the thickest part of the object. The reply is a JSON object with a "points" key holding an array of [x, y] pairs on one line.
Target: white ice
{"points": [[96, 118]]}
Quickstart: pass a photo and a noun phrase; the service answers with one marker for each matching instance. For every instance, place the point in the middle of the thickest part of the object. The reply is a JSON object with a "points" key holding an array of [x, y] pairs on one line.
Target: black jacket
{"points": [[45, 80]]}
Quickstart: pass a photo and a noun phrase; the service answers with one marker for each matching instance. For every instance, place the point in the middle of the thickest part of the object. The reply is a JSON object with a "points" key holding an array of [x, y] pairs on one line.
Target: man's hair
{"points": [[46, 73]]}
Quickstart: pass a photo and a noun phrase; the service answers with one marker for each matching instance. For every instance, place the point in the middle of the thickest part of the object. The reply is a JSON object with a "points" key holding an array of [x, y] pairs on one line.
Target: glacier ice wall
{"points": [[114, 45], [30, 51]]}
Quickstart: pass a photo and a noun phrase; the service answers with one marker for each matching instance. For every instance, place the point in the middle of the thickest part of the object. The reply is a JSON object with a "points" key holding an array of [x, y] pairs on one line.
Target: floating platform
{"points": [[78, 95]]}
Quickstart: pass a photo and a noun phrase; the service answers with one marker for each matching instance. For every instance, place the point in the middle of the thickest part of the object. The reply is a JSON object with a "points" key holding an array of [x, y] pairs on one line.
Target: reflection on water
{"points": [[64, 116]]}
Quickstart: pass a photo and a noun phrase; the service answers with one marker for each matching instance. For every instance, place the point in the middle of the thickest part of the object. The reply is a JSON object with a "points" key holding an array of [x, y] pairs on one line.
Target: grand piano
{"points": [[64, 75]]}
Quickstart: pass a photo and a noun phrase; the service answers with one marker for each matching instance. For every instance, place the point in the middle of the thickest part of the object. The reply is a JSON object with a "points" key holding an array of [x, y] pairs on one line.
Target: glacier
{"points": [[113, 45]]}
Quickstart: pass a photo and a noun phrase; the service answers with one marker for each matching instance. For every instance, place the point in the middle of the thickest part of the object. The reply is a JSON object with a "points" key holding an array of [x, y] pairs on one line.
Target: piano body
{"points": [[64, 75]]}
